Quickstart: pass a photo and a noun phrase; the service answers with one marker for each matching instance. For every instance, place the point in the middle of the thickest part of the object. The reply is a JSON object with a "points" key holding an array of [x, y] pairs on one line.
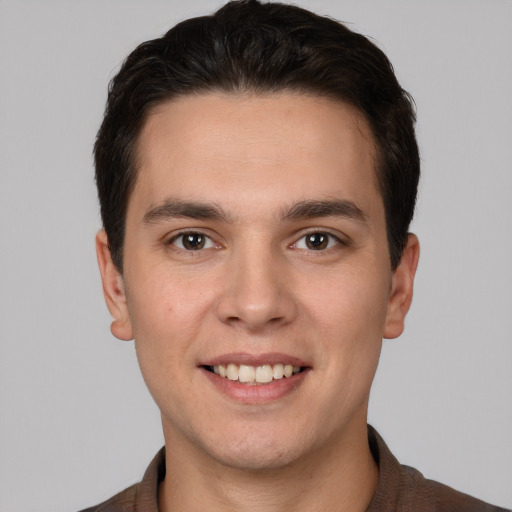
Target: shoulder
{"points": [[442, 497], [448, 499], [141, 496], [121, 502], [404, 488]]}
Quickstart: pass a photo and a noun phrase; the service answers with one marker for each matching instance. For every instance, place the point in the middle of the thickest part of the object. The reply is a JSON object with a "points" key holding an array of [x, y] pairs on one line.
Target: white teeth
{"points": [[246, 373], [264, 373], [232, 372], [278, 371], [255, 374]]}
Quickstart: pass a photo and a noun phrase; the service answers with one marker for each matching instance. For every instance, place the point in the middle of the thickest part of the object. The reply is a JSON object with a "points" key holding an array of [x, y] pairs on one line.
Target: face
{"points": [[256, 280]]}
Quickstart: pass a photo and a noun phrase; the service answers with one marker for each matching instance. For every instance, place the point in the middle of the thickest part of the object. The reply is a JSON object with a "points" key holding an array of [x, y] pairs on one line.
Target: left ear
{"points": [[402, 289]]}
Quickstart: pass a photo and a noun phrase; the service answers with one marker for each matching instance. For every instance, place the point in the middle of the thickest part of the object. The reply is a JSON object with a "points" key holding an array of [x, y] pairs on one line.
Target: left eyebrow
{"points": [[324, 208]]}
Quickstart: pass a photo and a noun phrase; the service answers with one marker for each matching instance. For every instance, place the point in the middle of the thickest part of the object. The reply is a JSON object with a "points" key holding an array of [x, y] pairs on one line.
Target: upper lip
{"points": [[255, 359]]}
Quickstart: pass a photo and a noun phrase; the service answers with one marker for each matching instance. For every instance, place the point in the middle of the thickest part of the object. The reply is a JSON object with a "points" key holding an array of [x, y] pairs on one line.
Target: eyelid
{"points": [[336, 237], [170, 241]]}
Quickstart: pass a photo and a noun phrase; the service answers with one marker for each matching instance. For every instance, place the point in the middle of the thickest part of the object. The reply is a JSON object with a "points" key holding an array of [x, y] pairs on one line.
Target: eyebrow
{"points": [[306, 209], [171, 209], [324, 208]]}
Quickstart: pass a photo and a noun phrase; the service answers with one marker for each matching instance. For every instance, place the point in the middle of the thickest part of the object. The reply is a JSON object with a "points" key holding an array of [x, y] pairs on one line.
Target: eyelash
{"points": [[183, 234], [332, 241]]}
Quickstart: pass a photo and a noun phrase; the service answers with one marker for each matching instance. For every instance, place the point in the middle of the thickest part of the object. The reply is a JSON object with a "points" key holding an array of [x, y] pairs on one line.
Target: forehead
{"points": [[283, 146]]}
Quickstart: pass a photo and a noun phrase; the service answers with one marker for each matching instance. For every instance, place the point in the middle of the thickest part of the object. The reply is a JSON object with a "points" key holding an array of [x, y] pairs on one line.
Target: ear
{"points": [[402, 289], [113, 290]]}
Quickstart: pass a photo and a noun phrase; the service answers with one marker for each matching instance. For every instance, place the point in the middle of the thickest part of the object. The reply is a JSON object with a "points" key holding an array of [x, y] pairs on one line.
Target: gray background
{"points": [[76, 422]]}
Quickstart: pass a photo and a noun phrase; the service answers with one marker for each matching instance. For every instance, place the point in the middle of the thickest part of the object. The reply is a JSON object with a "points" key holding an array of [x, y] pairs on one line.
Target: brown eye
{"points": [[192, 241], [317, 241]]}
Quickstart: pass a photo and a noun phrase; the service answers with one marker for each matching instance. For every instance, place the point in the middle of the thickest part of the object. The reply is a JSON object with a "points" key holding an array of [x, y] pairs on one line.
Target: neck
{"points": [[340, 476]]}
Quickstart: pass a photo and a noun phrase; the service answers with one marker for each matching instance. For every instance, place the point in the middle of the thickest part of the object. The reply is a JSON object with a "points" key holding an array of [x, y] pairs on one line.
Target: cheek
{"points": [[170, 313], [166, 303], [163, 327], [355, 300], [350, 313]]}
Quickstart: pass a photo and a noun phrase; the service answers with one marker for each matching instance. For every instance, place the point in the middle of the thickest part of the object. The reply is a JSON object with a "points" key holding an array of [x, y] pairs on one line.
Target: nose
{"points": [[257, 294]]}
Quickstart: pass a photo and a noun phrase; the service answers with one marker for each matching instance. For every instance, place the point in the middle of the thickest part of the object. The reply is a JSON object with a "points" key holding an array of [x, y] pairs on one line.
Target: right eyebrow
{"points": [[172, 209]]}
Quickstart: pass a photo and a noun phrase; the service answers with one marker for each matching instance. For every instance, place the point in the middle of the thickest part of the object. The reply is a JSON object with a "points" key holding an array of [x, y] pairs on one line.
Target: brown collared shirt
{"points": [[399, 489]]}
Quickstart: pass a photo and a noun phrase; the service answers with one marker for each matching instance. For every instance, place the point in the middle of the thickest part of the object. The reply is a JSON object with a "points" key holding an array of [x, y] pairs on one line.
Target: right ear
{"points": [[113, 290]]}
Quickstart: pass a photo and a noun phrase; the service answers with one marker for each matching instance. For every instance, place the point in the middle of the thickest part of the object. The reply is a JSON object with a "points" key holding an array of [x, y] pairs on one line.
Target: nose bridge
{"points": [[255, 294]]}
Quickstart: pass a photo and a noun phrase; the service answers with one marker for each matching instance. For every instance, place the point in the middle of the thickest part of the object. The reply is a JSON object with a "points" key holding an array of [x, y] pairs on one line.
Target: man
{"points": [[257, 171]]}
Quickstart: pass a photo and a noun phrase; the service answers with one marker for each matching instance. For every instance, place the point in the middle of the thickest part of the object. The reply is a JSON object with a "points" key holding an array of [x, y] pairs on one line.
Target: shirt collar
{"points": [[396, 489], [399, 487]]}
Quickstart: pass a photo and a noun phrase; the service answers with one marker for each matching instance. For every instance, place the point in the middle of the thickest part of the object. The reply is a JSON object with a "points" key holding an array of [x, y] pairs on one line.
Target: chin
{"points": [[256, 458], [258, 450]]}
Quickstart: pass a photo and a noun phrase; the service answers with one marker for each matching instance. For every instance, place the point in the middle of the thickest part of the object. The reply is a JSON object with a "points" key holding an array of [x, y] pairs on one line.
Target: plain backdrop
{"points": [[76, 421]]}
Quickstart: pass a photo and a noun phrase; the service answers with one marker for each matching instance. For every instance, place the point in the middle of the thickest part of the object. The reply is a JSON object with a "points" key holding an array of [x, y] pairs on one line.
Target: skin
{"points": [[257, 288]]}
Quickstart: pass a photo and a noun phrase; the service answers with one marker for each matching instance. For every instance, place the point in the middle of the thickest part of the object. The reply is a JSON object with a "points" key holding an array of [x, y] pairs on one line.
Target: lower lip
{"points": [[256, 393]]}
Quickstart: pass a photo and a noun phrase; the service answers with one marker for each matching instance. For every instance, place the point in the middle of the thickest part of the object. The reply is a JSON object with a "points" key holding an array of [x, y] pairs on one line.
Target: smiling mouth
{"points": [[255, 375]]}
